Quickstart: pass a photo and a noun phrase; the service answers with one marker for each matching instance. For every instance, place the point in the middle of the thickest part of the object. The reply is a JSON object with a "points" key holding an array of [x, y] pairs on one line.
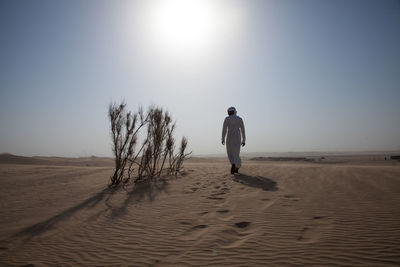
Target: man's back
{"points": [[233, 124], [233, 130]]}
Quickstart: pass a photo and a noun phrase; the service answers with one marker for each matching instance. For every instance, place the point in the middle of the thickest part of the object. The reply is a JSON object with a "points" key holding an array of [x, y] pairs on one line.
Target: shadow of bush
{"points": [[43, 226], [141, 191], [144, 190]]}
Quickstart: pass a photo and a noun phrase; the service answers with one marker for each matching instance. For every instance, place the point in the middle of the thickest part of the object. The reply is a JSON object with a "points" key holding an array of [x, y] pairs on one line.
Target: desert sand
{"points": [[272, 214]]}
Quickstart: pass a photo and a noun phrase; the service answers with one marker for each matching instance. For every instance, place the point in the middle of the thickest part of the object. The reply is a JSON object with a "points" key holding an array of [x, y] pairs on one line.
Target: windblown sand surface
{"points": [[273, 214]]}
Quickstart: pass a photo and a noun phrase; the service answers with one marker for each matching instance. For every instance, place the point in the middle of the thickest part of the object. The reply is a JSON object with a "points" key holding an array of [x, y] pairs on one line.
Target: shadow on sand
{"points": [[256, 181], [135, 193], [141, 191]]}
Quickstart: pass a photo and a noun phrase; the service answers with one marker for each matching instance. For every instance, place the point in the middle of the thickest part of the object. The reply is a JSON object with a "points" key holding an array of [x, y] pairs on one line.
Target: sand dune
{"points": [[6, 158], [273, 214]]}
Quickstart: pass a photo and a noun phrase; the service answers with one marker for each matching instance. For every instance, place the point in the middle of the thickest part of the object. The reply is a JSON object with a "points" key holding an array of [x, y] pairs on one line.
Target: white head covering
{"points": [[232, 109]]}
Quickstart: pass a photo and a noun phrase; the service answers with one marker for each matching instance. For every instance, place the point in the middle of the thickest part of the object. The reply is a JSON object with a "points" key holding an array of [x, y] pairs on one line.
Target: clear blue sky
{"points": [[306, 75]]}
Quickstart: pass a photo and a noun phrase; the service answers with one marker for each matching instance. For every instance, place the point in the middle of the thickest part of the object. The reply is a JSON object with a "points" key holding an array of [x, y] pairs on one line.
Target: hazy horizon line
{"points": [[244, 154]]}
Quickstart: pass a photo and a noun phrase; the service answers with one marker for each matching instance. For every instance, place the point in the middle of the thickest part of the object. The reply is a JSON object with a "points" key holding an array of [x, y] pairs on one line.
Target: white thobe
{"points": [[233, 129]]}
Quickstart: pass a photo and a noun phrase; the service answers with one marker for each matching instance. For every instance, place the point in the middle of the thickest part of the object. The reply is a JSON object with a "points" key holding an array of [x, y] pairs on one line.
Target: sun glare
{"points": [[188, 28], [184, 25], [185, 31]]}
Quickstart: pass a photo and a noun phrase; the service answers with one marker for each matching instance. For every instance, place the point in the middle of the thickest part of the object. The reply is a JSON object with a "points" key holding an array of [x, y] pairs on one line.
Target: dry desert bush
{"points": [[156, 155]]}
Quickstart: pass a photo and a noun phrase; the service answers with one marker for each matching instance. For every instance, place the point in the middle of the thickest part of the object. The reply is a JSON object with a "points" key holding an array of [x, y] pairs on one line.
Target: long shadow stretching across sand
{"points": [[145, 190], [256, 181], [43, 226]]}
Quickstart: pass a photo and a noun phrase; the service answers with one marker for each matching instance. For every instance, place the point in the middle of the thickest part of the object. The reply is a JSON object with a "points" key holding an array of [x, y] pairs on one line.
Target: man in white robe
{"points": [[233, 129]]}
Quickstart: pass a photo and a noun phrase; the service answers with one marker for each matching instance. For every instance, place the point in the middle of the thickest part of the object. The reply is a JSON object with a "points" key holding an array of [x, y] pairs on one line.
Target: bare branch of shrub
{"points": [[156, 150]]}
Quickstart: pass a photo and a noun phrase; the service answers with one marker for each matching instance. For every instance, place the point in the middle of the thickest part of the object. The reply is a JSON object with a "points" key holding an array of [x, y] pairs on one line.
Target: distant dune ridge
{"points": [[335, 157], [7, 158], [59, 211]]}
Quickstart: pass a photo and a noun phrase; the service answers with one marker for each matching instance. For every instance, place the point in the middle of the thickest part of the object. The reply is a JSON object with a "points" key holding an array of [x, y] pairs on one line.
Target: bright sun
{"points": [[184, 26], [187, 30]]}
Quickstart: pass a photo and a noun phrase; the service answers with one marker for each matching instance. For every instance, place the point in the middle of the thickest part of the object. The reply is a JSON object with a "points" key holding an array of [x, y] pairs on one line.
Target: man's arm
{"points": [[243, 132], [224, 129]]}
